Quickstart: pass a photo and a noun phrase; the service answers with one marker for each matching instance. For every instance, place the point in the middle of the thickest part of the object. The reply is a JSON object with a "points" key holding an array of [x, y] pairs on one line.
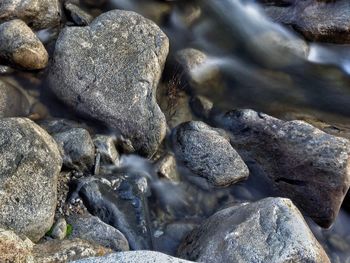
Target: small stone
{"points": [[79, 16], [270, 230], [201, 106], [59, 229], [166, 167], [206, 153], [105, 146], [20, 47]]}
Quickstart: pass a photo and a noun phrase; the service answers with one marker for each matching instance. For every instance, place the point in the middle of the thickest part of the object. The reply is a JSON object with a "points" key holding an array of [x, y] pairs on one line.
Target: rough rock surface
{"points": [[270, 230], [59, 229], [206, 153], [20, 47], [67, 250], [327, 21], [302, 162], [15, 249], [110, 70], [134, 257], [38, 14], [29, 166], [92, 229]]}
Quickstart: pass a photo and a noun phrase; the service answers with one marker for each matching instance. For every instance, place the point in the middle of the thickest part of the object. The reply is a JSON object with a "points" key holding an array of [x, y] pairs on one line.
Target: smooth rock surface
{"points": [[301, 162], [270, 230], [29, 165], [110, 70], [59, 229], [38, 14], [92, 229], [206, 153], [20, 47], [105, 146], [134, 257]]}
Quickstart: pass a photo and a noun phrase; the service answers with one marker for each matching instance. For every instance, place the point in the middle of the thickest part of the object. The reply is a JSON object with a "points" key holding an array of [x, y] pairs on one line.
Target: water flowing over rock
{"points": [[110, 70], [29, 165], [302, 162], [206, 153], [270, 230]]}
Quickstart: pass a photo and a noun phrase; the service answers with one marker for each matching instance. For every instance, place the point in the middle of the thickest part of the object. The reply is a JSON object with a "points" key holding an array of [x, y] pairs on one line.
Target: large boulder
{"points": [[29, 166], [109, 71], [300, 161], [208, 154], [38, 14], [270, 230]]}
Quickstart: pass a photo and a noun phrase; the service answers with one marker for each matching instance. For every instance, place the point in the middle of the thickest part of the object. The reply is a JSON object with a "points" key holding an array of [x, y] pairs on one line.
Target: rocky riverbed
{"points": [[174, 131]]}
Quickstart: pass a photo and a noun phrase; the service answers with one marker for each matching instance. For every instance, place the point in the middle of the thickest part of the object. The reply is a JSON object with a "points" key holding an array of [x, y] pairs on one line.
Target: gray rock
{"points": [[38, 14], [29, 166], [59, 229], [134, 257], [92, 229], [316, 20], [270, 230], [78, 15], [20, 47], [206, 153], [166, 167], [105, 146], [77, 149], [14, 248], [110, 70], [301, 162], [67, 250]]}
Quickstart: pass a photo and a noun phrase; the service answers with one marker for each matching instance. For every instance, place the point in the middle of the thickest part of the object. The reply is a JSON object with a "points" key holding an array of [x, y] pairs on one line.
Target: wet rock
{"points": [[315, 20], [206, 153], [270, 230], [109, 71], [13, 101], [166, 167], [38, 14], [201, 106], [105, 146], [53, 126], [134, 257], [92, 229], [29, 165], [67, 250], [59, 229], [15, 249], [79, 16], [20, 47], [300, 162], [77, 149]]}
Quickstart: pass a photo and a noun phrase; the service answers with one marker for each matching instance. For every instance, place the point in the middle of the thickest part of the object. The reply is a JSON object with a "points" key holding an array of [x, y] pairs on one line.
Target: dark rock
{"points": [[20, 47], [109, 71], [206, 153], [201, 106], [270, 230], [105, 146], [79, 16], [301, 162], [29, 165]]}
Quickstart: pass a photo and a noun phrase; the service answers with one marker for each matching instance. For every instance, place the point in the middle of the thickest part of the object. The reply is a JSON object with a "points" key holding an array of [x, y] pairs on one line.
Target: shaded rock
{"points": [[166, 167], [59, 229], [201, 106], [134, 257], [79, 16], [38, 14], [29, 165], [315, 20], [105, 146], [53, 126], [270, 230], [20, 47], [111, 75], [206, 153], [92, 229], [67, 250], [15, 249], [301, 162]]}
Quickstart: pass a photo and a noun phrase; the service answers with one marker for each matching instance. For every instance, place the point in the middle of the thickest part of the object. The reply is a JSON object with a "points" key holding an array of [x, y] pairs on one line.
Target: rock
{"points": [[59, 229], [300, 161], [109, 71], [79, 16], [15, 249], [166, 167], [13, 101], [67, 250], [201, 106], [92, 229], [270, 230], [134, 257], [77, 148], [316, 20], [38, 14], [105, 146], [29, 165], [206, 153], [20, 47]]}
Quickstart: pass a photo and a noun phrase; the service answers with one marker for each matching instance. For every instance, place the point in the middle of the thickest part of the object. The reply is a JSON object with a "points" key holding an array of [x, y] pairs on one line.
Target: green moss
{"points": [[69, 230]]}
